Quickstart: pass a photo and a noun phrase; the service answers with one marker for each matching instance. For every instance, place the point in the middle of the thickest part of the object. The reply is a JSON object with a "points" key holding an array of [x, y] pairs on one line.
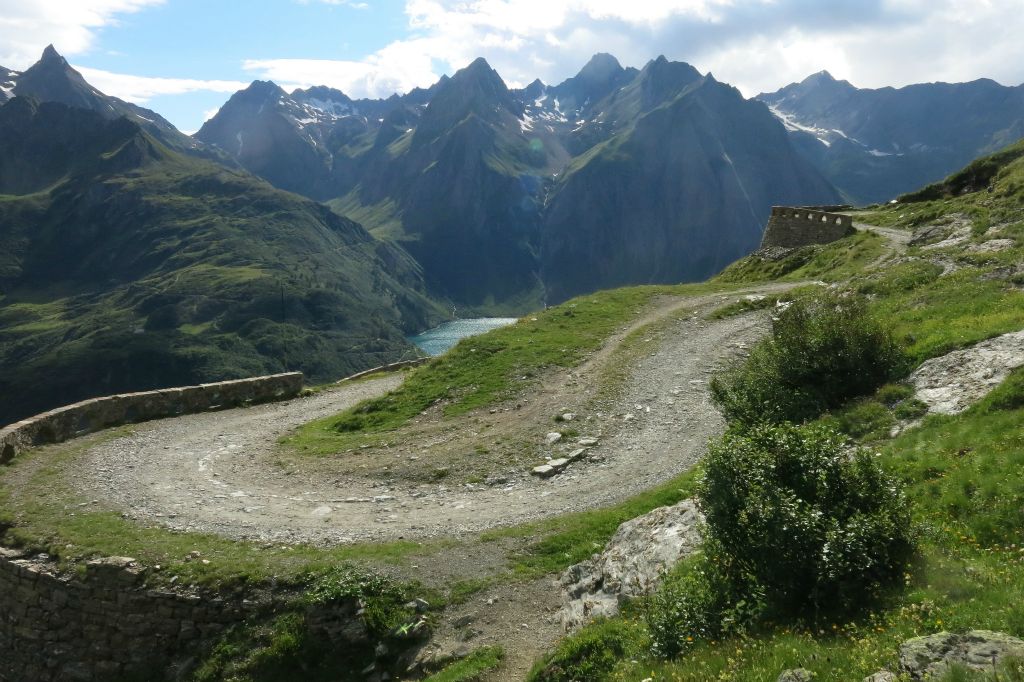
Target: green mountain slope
{"points": [[125, 265]]}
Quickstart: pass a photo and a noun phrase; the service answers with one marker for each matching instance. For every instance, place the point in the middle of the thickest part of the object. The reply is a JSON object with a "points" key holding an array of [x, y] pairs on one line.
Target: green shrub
{"points": [[789, 509], [891, 395], [821, 353], [864, 420], [590, 654], [698, 602]]}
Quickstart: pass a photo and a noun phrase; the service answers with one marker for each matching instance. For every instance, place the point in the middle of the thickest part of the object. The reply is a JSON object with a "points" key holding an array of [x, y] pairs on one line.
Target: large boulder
{"points": [[633, 562], [931, 655]]}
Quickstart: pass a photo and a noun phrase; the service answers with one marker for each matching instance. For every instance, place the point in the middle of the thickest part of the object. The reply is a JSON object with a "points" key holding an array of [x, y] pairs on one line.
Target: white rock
{"points": [[568, 416], [587, 442], [638, 555], [951, 383], [553, 438]]}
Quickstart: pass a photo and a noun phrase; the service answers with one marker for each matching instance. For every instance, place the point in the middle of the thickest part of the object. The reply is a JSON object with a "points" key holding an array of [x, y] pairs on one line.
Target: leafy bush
{"points": [[789, 510], [821, 353], [383, 600], [697, 603], [590, 654]]}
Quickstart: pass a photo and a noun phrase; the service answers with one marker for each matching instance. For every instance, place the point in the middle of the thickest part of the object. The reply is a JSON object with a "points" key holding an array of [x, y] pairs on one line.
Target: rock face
{"points": [[930, 656], [953, 382], [638, 555]]}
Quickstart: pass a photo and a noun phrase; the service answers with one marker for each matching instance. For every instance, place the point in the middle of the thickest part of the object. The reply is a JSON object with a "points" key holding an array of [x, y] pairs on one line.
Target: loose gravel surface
{"points": [[219, 472]]}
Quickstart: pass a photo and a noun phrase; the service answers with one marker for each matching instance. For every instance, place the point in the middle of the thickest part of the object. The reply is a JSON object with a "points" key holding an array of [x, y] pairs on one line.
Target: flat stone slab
{"points": [[951, 383], [930, 656]]}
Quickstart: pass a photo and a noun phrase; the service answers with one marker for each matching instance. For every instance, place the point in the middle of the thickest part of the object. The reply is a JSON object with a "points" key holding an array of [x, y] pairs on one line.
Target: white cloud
{"points": [[398, 67], [757, 45], [139, 89], [26, 27]]}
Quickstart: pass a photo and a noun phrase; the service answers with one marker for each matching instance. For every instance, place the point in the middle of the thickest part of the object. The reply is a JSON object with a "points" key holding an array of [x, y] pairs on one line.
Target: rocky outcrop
{"points": [[930, 656], [953, 382], [632, 564], [92, 415]]}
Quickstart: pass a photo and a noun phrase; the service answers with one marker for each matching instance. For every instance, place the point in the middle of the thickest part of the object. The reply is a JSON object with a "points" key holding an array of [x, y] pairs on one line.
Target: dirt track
{"points": [[217, 472]]}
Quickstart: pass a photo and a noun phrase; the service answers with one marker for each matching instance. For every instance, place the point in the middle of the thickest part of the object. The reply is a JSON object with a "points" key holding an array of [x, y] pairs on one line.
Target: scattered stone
{"points": [[587, 442], [544, 471], [930, 656], [795, 675], [632, 563], [992, 246], [951, 383], [928, 234], [383, 498], [628, 417], [553, 438], [577, 454], [568, 417]]}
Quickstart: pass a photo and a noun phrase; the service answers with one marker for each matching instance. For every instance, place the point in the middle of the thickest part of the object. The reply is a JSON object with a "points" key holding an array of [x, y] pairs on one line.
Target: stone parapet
{"points": [[91, 415]]}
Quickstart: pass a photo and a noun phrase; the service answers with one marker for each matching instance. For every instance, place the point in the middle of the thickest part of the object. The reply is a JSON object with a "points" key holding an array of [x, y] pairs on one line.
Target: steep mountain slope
{"points": [[125, 265], [52, 79], [463, 191], [876, 144], [676, 197]]}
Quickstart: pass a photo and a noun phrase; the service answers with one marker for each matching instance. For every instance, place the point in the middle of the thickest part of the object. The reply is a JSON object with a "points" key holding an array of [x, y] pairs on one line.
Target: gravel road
{"points": [[215, 472]]}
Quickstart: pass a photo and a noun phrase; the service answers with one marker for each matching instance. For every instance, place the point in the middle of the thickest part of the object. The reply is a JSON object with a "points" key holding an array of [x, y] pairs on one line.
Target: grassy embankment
{"points": [[964, 474]]}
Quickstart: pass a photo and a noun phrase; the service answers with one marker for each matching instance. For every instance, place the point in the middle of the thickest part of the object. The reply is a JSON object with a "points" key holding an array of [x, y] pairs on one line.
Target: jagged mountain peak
{"points": [[323, 93], [478, 74], [264, 89], [51, 54], [601, 67]]}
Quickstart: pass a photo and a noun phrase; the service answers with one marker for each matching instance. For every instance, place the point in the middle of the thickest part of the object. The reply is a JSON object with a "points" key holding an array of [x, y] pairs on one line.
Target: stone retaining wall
{"points": [[103, 624], [95, 414], [794, 227], [416, 362]]}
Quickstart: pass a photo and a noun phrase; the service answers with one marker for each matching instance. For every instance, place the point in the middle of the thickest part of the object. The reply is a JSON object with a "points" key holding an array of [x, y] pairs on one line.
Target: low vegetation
{"points": [[821, 352]]}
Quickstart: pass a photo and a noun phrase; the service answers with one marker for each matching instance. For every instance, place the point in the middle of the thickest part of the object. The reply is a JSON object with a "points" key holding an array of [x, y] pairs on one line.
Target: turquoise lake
{"points": [[439, 339]]}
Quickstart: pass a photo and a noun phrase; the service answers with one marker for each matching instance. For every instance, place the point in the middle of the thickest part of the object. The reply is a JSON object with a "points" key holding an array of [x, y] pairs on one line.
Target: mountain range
{"points": [[876, 144], [309, 230], [514, 198]]}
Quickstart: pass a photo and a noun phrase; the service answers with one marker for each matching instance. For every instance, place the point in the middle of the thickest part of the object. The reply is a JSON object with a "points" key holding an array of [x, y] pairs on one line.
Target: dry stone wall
{"points": [[103, 623], [794, 227], [92, 415]]}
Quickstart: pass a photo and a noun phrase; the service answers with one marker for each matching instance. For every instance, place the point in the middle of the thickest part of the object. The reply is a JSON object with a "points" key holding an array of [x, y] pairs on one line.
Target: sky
{"points": [[184, 58]]}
